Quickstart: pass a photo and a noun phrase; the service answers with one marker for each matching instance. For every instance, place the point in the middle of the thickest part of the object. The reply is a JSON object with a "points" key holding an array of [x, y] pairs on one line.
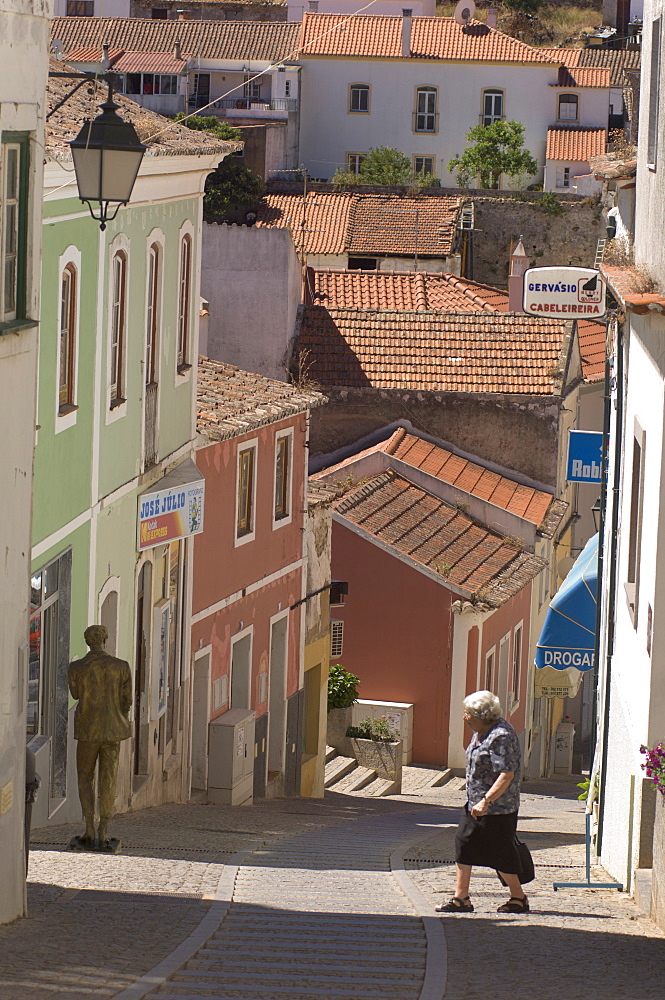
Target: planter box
{"points": [[384, 758], [399, 715]]}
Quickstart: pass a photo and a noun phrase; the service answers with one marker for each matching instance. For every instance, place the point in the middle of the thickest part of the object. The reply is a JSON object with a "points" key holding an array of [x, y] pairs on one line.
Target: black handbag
{"points": [[527, 872]]}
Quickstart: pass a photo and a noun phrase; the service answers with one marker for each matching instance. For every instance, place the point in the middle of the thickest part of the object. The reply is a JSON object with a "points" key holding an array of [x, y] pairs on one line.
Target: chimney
{"points": [[313, 6], [519, 262], [106, 59], [177, 51], [492, 14], [406, 32]]}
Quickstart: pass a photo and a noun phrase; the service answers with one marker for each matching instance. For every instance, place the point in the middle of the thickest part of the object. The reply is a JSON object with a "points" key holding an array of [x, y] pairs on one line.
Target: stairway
{"points": [[344, 774]]}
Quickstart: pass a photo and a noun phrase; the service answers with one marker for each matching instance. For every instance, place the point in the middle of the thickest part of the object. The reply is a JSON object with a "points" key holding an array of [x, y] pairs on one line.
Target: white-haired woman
{"points": [[486, 834]]}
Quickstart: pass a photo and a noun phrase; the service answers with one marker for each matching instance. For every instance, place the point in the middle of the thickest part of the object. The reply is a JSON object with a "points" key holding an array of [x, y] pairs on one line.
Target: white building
{"points": [[632, 654], [24, 32], [419, 84]]}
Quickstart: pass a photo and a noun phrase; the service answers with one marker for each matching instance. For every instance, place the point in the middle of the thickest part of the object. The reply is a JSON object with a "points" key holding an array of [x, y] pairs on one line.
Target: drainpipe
{"points": [[611, 596], [406, 32]]}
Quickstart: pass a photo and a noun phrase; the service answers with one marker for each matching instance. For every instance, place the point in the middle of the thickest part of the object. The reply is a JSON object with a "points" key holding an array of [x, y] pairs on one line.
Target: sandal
{"points": [[456, 905], [515, 905]]}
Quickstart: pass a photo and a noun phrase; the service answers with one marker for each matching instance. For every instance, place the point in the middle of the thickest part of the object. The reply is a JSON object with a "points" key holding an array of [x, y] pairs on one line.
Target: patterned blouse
{"points": [[489, 756]]}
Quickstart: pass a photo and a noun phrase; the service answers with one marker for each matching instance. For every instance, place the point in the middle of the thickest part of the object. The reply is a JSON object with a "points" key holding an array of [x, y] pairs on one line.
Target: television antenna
{"points": [[464, 12]]}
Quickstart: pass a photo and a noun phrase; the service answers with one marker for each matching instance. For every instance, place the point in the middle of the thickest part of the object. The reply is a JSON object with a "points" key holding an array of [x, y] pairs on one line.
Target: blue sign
{"points": [[585, 456]]}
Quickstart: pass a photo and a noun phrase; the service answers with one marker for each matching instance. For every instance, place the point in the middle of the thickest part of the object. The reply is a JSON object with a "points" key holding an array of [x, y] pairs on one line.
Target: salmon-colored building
{"points": [[439, 552], [250, 585]]}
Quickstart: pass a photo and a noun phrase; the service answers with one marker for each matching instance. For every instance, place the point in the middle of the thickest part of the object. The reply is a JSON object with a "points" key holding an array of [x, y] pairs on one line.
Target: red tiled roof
{"points": [[592, 337], [567, 57], [397, 290], [319, 223], [380, 37], [614, 60], [269, 41], [524, 501], [92, 54], [385, 224], [575, 144], [452, 352], [431, 533], [230, 401], [149, 62], [588, 76]]}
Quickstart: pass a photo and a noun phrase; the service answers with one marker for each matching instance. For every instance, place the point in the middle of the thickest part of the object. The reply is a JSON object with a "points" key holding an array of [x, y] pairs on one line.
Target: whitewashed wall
{"points": [[325, 139]]}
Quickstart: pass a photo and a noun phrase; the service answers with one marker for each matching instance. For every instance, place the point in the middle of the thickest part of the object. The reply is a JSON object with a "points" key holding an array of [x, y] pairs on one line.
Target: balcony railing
{"points": [[488, 119], [425, 121], [246, 103], [150, 426]]}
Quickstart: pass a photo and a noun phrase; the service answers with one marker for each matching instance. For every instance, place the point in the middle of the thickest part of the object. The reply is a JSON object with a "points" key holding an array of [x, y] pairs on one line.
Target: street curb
{"points": [[207, 927], [436, 962]]}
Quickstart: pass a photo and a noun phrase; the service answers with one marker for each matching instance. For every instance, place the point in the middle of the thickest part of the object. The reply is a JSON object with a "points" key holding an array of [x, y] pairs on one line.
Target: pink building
{"points": [[249, 585], [440, 554]]}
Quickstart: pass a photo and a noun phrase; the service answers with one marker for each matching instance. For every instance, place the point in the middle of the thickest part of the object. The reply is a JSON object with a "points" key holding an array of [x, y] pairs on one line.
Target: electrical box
{"points": [[231, 758], [563, 748]]}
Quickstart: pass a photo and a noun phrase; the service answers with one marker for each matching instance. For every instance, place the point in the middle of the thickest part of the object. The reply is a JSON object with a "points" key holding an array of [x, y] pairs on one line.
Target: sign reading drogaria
{"points": [[565, 292]]}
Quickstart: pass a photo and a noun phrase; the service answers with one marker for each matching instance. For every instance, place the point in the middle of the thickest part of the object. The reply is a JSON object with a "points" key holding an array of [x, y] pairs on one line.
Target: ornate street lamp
{"points": [[107, 154]]}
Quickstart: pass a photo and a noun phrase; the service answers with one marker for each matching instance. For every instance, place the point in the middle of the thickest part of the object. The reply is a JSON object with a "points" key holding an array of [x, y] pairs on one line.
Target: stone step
{"points": [[294, 970], [330, 753], [332, 939], [416, 779], [377, 787], [252, 980], [337, 768], [354, 780]]}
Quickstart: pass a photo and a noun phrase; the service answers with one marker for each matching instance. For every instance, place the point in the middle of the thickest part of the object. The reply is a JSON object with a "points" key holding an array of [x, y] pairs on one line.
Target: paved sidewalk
{"points": [[310, 900]]}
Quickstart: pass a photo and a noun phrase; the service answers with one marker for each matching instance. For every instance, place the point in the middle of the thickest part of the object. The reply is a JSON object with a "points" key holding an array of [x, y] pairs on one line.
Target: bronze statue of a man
{"points": [[103, 686]]}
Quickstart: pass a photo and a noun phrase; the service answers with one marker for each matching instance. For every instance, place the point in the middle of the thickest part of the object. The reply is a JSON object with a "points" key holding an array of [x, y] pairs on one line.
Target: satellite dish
{"points": [[464, 11]]}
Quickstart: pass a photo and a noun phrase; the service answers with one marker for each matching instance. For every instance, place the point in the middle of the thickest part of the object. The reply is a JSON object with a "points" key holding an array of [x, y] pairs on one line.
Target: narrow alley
{"points": [[313, 900]]}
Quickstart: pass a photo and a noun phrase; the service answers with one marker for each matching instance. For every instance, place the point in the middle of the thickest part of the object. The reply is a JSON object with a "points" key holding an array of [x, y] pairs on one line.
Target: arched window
{"points": [[118, 321], [492, 107], [568, 107], [426, 116], [67, 352], [152, 313], [184, 299]]}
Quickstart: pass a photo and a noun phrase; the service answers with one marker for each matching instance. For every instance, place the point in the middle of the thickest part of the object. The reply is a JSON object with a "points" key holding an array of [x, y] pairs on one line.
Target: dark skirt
{"points": [[488, 841]]}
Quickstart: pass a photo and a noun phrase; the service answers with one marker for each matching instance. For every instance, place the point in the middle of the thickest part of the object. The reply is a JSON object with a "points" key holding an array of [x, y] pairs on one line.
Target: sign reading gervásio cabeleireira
{"points": [[565, 292]]}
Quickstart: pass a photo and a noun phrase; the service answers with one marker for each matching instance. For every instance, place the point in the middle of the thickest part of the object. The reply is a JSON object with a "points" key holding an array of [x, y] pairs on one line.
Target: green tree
{"points": [[382, 165], [231, 186], [497, 149], [209, 123]]}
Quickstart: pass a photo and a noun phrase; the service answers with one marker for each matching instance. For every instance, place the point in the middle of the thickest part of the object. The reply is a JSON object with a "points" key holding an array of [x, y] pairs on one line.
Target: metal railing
{"points": [[246, 103], [425, 121], [150, 426]]}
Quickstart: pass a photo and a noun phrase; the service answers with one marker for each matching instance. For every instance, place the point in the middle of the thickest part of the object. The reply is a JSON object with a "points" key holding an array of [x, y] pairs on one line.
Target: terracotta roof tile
{"points": [[264, 41], [391, 225], [230, 401], [468, 352], [575, 144], [616, 61], [588, 76], [162, 136], [592, 337], [477, 561], [371, 36], [149, 62], [396, 290], [92, 54]]}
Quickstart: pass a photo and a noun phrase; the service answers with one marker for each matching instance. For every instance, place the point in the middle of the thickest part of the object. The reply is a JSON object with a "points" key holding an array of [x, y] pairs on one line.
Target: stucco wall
{"points": [[658, 872], [649, 206], [395, 663], [251, 279], [521, 431]]}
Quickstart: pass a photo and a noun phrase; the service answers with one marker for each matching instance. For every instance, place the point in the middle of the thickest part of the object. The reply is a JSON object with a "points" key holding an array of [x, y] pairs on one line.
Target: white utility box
{"points": [[231, 758], [563, 748]]}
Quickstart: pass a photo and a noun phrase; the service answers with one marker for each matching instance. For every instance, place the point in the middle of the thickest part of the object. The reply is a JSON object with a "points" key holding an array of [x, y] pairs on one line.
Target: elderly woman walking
{"points": [[486, 834]]}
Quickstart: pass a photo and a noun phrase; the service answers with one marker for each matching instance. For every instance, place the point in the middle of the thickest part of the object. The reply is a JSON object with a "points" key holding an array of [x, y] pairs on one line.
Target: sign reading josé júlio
{"points": [[564, 292], [169, 514]]}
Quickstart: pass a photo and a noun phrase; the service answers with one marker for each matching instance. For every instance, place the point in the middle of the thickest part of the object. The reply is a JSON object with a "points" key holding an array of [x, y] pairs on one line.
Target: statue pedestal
{"points": [[111, 846]]}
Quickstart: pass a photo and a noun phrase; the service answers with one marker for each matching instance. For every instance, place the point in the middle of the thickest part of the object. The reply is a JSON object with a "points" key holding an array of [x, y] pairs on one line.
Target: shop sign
{"points": [[585, 457], [564, 292], [552, 683], [172, 513]]}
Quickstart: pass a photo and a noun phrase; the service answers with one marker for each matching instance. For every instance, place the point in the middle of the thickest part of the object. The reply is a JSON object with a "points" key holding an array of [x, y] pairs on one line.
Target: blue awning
{"points": [[569, 634]]}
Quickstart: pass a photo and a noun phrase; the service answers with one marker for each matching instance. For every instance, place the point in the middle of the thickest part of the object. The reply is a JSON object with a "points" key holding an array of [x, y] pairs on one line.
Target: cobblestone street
{"points": [[312, 900]]}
